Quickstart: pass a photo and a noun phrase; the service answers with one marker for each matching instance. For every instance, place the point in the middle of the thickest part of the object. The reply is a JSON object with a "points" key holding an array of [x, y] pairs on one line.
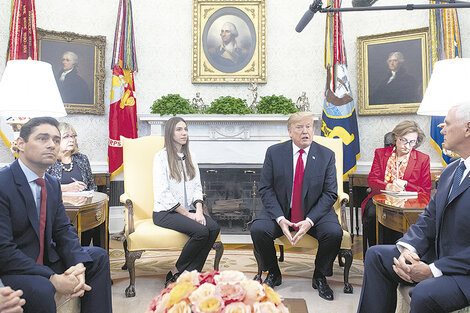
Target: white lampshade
{"points": [[28, 88], [448, 86]]}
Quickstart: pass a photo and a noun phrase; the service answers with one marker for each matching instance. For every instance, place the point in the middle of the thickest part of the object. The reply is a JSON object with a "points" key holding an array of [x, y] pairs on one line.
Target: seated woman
{"points": [[178, 199], [396, 168], [73, 170]]}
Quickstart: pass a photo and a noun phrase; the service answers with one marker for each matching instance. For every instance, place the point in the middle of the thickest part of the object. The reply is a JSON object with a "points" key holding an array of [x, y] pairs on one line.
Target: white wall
{"points": [[163, 39]]}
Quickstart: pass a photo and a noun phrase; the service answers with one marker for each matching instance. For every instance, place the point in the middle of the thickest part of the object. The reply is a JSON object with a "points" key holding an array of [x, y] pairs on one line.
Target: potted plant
{"points": [[172, 104], [229, 105], [276, 105]]}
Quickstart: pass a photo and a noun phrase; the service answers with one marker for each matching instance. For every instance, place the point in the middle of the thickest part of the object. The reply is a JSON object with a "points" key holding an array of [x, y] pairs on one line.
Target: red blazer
{"points": [[417, 173]]}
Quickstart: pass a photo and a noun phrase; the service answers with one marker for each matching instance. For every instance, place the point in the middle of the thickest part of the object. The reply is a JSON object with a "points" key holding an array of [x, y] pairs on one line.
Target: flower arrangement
{"points": [[217, 292]]}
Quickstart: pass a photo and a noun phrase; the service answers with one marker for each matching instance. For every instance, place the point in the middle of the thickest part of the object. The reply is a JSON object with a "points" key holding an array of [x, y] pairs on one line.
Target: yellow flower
{"points": [[211, 304], [180, 307], [202, 292], [180, 292], [271, 295]]}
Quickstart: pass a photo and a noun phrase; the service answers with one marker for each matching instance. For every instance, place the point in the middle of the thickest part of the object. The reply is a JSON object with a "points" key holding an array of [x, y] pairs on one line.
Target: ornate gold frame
{"points": [[363, 70], [204, 14], [99, 44]]}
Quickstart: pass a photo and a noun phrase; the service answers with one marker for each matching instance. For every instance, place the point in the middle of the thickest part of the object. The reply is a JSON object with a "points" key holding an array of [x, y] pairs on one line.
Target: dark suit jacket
{"points": [[319, 189], [402, 89], [442, 232], [19, 227], [417, 174], [74, 89]]}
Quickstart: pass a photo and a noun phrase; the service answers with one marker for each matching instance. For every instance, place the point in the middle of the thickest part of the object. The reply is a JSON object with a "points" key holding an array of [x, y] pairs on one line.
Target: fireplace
{"points": [[231, 195]]}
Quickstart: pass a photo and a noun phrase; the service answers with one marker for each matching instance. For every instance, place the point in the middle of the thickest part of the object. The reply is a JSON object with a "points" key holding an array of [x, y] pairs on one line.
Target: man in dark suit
{"points": [[301, 202], [39, 249], [434, 255], [72, 86]]}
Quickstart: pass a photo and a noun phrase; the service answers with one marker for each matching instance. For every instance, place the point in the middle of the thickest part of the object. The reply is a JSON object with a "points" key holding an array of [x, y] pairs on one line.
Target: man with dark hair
{"points": [[434, 254], [39, 248]]}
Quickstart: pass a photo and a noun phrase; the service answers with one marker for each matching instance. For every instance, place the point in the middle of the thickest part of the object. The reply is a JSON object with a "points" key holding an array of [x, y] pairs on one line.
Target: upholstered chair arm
{"points": [[125, 198]]}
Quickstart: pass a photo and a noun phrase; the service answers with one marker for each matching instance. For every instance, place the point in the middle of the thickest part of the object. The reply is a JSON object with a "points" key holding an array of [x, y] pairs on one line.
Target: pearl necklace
{"points": [[67, 169]]}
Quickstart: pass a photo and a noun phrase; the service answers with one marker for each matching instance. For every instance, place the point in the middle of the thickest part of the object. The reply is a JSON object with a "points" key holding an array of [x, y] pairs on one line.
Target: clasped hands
{"points": [[303, 226], [410, 268], [71, 282]]}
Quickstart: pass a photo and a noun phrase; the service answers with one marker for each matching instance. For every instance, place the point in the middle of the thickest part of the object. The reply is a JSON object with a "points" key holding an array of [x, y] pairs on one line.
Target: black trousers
{"points": [[39, 292], [329, 236], [202, 238], [379, 294]]}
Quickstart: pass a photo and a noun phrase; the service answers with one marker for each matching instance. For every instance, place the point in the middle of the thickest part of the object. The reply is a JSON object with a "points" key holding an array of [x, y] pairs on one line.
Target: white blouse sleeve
{"points": [[162, 198], [197, 188]]}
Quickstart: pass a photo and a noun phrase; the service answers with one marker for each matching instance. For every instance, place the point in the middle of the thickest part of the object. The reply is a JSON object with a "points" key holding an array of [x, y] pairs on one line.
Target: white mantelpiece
{"points": [[237, 139]]}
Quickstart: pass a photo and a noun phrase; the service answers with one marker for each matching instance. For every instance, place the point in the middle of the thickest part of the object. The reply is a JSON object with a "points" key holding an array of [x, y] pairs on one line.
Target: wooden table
{"points": [[102, 181], [87, 213], [397, 213]]}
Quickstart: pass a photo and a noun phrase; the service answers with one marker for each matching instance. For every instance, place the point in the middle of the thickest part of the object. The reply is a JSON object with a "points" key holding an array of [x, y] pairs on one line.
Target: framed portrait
{"points": [[229, 41], [392, 72], [78, 65]]}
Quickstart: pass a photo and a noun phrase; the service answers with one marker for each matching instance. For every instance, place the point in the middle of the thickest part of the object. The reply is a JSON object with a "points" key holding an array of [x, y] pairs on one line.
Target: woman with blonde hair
{"points": [[178, 202]]}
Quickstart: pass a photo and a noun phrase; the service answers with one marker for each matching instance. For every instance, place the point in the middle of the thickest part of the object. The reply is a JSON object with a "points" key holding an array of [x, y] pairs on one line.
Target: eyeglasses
{"points": [[68, 137], [405, 142]]}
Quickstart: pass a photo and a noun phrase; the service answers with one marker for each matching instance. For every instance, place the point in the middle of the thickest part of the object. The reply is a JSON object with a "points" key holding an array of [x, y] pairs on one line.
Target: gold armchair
{"points": [[140, 232], [345, 255]]}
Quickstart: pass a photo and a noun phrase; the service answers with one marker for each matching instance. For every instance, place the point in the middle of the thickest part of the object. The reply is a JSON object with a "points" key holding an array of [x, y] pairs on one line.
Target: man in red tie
{"points": [[40, 253], [298, 189]]}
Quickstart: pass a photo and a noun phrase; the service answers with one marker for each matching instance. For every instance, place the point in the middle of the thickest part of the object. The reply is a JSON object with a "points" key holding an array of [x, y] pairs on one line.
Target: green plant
{"points": [[229, 105], [276, 105], [172, 104]]}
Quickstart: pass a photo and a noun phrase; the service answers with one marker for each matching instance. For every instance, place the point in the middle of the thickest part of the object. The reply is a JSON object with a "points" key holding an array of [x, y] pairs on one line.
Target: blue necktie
{"points": [[457, 179]]}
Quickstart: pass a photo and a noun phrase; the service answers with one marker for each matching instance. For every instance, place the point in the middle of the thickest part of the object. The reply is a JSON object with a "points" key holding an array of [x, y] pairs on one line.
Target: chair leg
{"points": [[131, 256], [124, 245], [281, 253], [347, 255], [219, 250], [259, 275]]}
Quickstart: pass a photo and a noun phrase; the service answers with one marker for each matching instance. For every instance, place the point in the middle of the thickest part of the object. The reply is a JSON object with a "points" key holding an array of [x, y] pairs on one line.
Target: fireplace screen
{"points": [[231, 195]]}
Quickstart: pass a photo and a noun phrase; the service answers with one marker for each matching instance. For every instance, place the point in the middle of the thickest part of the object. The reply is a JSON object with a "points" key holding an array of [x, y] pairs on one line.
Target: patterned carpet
{"points": [[158, 263]]}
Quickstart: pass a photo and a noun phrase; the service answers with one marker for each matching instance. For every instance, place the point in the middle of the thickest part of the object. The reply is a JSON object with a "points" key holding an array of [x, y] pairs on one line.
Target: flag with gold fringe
{"points": [[339, 114], [444, 43], [22, 45], [122, 111]]}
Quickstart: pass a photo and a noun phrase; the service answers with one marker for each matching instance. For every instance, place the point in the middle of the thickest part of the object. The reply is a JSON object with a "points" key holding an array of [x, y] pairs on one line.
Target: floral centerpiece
{"points": [[217, 292]]}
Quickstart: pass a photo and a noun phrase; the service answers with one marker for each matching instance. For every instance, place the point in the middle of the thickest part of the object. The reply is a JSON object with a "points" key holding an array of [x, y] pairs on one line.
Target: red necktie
{"points": [[297, 214], [42, 218]]}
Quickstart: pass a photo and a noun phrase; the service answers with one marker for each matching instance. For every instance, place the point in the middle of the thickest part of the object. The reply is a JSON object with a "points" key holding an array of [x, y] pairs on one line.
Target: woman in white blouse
{"points": [[178, 199]]}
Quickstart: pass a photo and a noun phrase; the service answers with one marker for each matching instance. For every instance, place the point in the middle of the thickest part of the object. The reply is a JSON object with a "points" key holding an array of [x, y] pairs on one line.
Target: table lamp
{"points": [[447, 87], [29, 89]]}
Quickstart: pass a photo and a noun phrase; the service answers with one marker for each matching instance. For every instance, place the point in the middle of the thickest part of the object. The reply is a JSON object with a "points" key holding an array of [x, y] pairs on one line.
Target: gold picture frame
{"points": [[382, 92], [238, 55], [78, 65]]}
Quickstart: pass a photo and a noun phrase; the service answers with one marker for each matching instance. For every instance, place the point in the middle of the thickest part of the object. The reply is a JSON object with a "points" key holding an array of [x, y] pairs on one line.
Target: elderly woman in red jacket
{"points": [[396, 168]]}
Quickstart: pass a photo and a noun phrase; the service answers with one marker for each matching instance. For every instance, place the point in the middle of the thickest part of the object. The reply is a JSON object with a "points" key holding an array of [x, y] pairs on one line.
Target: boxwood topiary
{"points": [[172, 104], [276, 105], [229, 105]]}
